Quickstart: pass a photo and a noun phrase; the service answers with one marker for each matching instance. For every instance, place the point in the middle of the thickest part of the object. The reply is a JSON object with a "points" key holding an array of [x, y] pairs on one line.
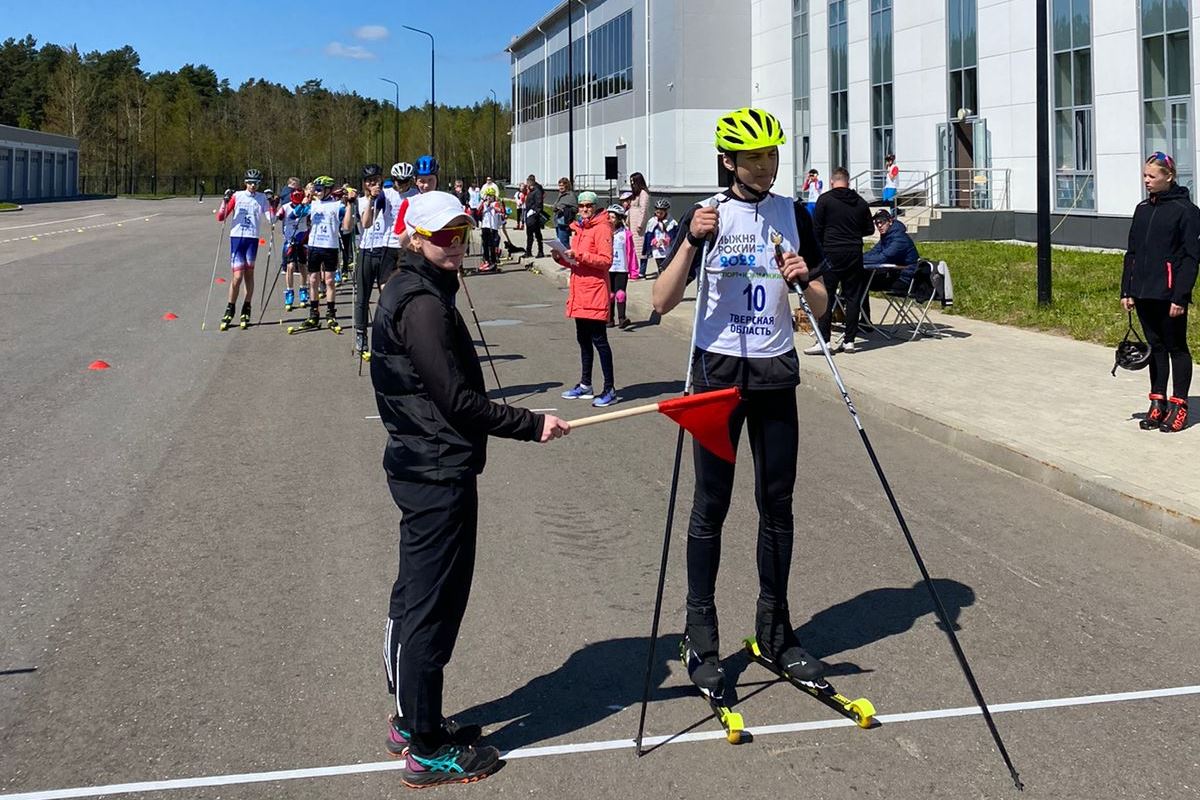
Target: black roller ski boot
{"points": [[331, 321], [244, 321], [1156, 414], [1177, 418], [360, 345], [699, 651], [776, 647], [227, 320]]}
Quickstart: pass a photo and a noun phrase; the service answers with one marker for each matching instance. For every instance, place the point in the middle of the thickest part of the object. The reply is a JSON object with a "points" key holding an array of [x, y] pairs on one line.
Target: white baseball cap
{"points": [[433, 211]]}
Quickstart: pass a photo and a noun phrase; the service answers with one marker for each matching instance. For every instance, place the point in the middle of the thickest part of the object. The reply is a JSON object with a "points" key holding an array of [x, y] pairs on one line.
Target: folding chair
{"points": [[912, 306]]}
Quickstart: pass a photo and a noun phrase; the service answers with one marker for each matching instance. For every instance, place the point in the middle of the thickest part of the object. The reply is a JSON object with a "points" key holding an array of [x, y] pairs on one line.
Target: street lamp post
{"points": [[396, 117], [495, 103], [432, 89]]}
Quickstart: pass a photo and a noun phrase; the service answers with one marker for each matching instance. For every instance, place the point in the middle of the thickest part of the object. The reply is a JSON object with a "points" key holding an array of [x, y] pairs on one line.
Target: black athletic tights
{"points": [[770, 417], [592, 333], [1169, 354]]}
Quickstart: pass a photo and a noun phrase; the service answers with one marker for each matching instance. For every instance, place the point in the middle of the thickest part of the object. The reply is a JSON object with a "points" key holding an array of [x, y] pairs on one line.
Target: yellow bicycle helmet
{"points": [[748, 129]]}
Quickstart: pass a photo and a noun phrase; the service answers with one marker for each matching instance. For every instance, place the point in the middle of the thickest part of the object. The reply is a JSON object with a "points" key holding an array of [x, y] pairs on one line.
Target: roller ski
{"points": [[861, 711], [289, 299], [312, 323], [244, 319], [332, 323], [303, 296], [227, 320], [698, 651], [361, 348]]}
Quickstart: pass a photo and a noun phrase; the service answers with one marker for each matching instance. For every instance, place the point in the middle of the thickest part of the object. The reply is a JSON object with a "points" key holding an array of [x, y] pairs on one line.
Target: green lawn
{"points": [[998, 283], [9, 206]]}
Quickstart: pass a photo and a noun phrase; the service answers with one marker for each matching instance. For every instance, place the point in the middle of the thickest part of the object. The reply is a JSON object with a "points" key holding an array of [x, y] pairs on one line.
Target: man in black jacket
{"points": [[535, 198], [431, 398], [841, 220]]}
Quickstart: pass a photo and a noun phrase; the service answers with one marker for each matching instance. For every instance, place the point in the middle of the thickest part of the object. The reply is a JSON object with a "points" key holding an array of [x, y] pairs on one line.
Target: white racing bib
{"points": [[746, 311], [247, 208], [326, 224]]}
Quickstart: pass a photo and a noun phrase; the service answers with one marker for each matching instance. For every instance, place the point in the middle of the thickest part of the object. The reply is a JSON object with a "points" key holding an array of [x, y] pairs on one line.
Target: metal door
{"points": [[20, 173], [6, 192]]}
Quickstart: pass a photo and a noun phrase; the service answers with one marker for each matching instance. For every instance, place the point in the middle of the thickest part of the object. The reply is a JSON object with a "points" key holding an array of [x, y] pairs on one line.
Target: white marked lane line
{"points": [[146, 217], [49, 222], [592, 747]]}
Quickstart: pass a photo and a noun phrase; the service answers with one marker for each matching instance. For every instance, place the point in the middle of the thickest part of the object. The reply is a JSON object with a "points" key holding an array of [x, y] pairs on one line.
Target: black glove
{"points": [[228, 194]]}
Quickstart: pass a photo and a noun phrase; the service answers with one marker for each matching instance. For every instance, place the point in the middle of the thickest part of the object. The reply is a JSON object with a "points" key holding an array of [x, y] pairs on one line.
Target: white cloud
{"points": [[339, 50], [371, 33]]}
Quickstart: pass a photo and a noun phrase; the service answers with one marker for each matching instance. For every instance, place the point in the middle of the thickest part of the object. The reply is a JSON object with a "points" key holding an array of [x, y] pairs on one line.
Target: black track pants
{"points": [[429, 597], [374, 268], [592, 333], [770, 418], [846, 271], [1169, 354]]}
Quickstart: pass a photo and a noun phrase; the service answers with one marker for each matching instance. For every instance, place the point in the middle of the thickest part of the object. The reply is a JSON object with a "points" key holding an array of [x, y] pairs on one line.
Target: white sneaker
{"points": [[815, 350], [848, 347]]}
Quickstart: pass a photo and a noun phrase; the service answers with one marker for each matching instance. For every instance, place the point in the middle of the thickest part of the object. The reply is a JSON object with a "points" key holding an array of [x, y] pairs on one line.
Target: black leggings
{"points": [[770, 417], [533, 230], [1169, 354], [848, 273], [592, 333]]}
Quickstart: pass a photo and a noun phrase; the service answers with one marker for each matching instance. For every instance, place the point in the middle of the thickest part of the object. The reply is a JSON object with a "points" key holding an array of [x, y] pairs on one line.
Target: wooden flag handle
{"points": [[611, 415]]}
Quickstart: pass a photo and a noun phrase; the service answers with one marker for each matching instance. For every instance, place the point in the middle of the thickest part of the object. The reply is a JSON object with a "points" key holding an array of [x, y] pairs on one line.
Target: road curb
{"points": [[1101, 492]]}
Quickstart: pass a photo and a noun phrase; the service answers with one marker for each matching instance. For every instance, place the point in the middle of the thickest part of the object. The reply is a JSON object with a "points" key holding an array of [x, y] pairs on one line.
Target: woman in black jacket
{"points": [[430, 393], [1157, 281]]}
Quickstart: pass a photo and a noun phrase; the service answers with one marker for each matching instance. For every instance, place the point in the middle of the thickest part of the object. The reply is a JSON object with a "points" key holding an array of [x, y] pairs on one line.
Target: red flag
{"points": [[706, 417]]}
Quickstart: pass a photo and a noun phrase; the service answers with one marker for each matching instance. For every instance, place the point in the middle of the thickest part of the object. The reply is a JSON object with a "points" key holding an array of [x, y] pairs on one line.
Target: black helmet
{"points": [[253, 176], [1132, 353], [371, 171]]}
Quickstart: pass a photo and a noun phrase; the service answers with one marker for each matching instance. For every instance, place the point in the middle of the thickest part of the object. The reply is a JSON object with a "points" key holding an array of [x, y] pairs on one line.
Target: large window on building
{"points": [[839, 95], [1074, 184], [1166, 82], [883, 132], [962, 26], [531, 93], [559, 85], [610, 51], [801, 108]]}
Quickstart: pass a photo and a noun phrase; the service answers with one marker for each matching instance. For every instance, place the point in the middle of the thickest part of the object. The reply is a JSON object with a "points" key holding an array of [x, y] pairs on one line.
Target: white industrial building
{"points": [[947, 85], [36, 165]]}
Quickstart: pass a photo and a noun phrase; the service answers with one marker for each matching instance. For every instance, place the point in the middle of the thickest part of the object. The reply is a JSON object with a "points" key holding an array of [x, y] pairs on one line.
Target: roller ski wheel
{"points": [[226, 321], [244, 322], [333, 325], [713, 691], [309, 324], [860, 711]]}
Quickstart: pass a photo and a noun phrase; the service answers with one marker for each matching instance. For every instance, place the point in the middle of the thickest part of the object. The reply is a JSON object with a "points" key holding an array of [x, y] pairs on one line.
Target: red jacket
{"points": [[591, 242]]}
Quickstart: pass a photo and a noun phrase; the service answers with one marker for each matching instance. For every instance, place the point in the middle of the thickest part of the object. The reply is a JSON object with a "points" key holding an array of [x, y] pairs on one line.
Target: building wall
{"points": [[689, 86], [36, 165]]}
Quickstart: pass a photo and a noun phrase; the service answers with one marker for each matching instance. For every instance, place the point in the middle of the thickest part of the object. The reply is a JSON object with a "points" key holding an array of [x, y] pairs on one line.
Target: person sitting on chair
{"points": [[895, 248]]}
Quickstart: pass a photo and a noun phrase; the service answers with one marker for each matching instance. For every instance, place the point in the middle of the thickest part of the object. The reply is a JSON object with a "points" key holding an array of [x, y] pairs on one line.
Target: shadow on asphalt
{"points": [[602, 678], [642, 391], [523, 391]]}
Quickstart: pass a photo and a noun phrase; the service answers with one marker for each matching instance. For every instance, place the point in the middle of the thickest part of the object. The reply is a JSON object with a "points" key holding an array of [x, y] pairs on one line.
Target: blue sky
{"points": [[289, 43]]}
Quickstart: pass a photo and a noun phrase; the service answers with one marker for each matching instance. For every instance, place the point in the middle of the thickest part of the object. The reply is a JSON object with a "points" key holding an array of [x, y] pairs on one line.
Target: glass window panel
{"points": [[1156, 126], [1064, 191], [887, 45], [1083, 77], [876, 49], [1083, 139], [1154, 67], [954, 27], [876, 105], [1064, 140], [1061, 25], [1062, 80], [955, 92], [969, 29], [1081, 23], [1176, 15], [970, 91], [1180, 139], [1152, 16], [1178, 67], [888, 105]]}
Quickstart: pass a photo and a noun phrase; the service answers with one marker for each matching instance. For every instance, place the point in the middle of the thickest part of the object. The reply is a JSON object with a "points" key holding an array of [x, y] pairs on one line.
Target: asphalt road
{"points": [[198, 545]]}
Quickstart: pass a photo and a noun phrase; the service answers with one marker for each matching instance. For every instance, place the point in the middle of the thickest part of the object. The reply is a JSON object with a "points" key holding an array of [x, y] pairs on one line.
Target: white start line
{"points": [[50, 222], [76, 229], [592, 747]]}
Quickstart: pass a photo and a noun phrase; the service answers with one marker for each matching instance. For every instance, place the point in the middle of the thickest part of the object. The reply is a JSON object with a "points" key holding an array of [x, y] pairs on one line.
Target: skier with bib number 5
{"points": [[744, 338]]}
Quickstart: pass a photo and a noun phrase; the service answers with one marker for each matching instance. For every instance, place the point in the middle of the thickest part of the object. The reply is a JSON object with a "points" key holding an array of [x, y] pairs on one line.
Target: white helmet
{"points": [[403, 171]]}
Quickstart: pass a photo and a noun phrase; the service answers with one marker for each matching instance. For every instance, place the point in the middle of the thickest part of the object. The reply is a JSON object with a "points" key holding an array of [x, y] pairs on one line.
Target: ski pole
{"points": [[212, 281], [666, 548], [943, 617], [274, 281], [463, 275]]}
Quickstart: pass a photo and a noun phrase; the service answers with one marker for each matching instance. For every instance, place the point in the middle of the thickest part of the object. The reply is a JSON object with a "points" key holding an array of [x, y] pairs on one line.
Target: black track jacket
{"points": [[1164, 248]]}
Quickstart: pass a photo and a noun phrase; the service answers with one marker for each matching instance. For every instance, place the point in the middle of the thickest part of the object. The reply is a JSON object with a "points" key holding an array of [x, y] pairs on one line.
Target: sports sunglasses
{"points": [[447, 237]]}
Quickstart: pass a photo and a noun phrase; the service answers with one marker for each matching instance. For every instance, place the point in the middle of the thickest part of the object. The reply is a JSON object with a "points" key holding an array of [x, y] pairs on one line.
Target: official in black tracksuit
{"points": [[430, 393], [841, 220], [1157, 280]]}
